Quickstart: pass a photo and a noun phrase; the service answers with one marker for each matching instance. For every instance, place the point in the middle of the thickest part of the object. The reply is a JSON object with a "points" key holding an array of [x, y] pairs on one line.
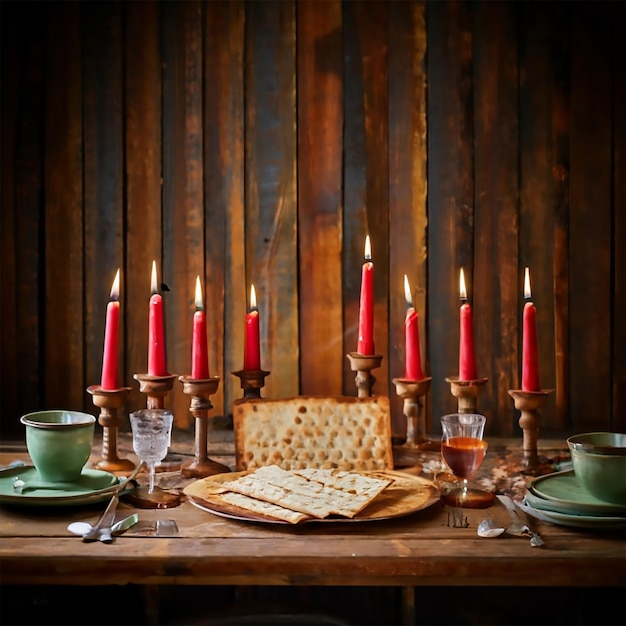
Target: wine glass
{"points": [[152, 431], [463, 449]]}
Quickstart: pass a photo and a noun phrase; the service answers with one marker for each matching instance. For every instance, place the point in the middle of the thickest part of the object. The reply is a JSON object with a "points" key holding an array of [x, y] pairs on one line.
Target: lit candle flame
{"points": [[253, 306], [407, 292], [199, 301], [462, 289], [154, 278], [115, 287], [527, 292], [368, 249]]}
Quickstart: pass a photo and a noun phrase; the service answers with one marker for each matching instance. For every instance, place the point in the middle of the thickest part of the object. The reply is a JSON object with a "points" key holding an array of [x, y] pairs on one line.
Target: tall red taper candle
{"points": [[111, 338], [199, 350], [156, 332], [252, 344], [530, 353], [365, 344], [467, 355], [412, 356]]}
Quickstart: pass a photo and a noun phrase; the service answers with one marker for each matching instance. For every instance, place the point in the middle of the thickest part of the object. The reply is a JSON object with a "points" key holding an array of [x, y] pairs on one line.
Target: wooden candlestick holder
{"points": [[110, 401], [466, 392], [200, 391], [412, 392], [528, 403], [363, 366], [156, 388], [251, 382]]}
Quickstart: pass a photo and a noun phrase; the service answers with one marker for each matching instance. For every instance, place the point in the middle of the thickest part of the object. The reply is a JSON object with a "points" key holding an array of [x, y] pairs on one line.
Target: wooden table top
{"points": [[421, 549]]}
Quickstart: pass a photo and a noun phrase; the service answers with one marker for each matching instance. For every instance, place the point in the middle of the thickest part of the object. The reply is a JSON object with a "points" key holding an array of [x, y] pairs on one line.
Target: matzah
{"points": [[303, 432]]}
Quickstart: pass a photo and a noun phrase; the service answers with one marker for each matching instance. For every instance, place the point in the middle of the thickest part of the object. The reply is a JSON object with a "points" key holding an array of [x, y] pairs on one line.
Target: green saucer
{"points": [[92, 486]]}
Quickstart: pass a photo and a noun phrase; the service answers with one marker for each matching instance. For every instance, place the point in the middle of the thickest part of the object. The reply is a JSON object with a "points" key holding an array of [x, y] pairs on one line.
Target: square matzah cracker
{"points": [[339, 432]]}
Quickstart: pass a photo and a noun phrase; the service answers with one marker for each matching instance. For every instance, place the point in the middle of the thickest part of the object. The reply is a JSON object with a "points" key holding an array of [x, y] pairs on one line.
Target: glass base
{"points": [[140, 498], [470, 497]]}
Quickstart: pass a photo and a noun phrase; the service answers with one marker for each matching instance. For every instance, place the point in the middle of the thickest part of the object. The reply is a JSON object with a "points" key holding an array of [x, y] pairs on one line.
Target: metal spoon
{"points": [[82, 528], [488, 528]]}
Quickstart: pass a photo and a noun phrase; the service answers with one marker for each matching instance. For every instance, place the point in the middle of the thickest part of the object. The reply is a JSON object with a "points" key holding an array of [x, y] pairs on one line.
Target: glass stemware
{"points": [[463, 449], [152, 430]]}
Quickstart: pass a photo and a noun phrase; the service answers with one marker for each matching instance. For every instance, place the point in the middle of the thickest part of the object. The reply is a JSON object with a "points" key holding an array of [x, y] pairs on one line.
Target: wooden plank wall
{"points": [[260, 142]]}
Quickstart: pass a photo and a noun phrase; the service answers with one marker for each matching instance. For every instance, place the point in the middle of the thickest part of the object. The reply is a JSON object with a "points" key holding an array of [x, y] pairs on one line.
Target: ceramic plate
{"points": [[577, 521], [92, 486], [563, 493], [406, 494]]}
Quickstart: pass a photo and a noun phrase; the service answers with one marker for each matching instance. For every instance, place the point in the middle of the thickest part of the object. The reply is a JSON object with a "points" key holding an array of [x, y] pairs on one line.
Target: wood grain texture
{"points": [[270, 187], [320, 143], [62, 306], [450, 189], [143, 183], [261, 142], [103, 167], [408, 217]]}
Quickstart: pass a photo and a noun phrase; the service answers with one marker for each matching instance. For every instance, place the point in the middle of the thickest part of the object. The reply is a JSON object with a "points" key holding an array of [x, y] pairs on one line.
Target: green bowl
{"points": [[59, 443], [599, 461]]}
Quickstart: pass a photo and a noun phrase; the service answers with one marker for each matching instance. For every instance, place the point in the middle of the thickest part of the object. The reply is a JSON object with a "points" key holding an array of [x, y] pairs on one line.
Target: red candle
{"points": [[156, 332], [530, 354], [365, 344], [252, 349], [199, 351], [412, 357], [467, 355], [111, 337]]}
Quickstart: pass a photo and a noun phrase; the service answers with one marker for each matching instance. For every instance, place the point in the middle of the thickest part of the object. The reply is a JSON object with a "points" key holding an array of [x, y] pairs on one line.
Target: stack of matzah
{"points": [[292, 496], [313, 432]]}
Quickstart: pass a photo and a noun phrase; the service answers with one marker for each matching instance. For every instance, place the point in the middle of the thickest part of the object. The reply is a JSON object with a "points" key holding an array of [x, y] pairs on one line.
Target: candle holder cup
{"points": [[363, 365], [528, 403], [200, 391], [412, 392], [110, 401], [252, 381], [466, 392], [156, 389]]}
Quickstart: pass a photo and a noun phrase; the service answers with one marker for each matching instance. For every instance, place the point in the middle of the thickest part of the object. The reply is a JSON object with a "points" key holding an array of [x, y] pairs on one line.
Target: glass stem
{"points": [[152, 476]]}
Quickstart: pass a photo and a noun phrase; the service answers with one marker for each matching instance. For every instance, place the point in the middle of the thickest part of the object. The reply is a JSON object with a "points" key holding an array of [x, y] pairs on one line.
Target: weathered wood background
{"points": [[260, 142]]}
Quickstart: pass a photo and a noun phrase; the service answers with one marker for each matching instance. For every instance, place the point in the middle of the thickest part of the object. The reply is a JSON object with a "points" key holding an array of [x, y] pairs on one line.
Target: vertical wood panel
{"points": [[224, 204], [407, 188], [366, 176], [183, 192], [143, 147], [28, 194], [590, 217], [63, 310], [320, 142], [271, 255], [618, 326], [450, 197], [496, 145], [103, 167]]}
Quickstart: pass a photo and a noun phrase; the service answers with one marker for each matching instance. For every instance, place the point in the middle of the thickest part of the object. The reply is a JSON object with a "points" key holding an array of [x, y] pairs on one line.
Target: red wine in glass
{"points": [[464, 455]]}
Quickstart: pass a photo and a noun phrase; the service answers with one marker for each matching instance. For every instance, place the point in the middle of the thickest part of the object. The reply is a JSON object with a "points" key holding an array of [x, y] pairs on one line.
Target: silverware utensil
{"points": [[488, 528], [518, 526], [102, 529], [82, 528]]}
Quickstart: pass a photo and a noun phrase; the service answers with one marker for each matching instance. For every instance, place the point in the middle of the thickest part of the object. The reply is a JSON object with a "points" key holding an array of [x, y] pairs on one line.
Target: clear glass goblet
{"points": [[152, 430], [463, 449]]}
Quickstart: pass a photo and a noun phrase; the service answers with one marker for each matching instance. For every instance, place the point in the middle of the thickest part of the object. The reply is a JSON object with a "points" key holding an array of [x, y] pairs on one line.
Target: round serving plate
{"points": [[577, 521], [92, 486]]}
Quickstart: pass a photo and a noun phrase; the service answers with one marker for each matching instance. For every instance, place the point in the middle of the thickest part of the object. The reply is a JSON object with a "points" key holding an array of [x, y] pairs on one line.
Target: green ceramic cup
{"points": [[599, 461], [59, 443]]}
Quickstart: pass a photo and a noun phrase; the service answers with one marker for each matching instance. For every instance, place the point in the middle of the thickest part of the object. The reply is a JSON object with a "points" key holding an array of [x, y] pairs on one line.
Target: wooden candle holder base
{"points": [[363, 366], [110, 401], [412, 392], [466, 392], [156, 388], [200, 391], [528, 403], [252, 381]]}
